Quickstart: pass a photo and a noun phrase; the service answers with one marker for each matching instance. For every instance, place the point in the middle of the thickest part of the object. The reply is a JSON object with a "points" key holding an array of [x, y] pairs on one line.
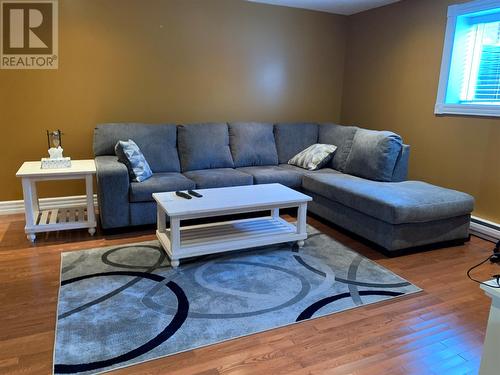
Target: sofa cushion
{"points": [[158, 143], [204, 146], [219, 177], [400, 172], [291, 138], [340, 136], [252, 143], [392, 202], [373, 154], [303, 171], [274, 174], [157, 183]]}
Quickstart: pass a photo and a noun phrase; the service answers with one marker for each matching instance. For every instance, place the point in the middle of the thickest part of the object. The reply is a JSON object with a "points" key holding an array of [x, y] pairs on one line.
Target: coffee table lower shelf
{"points": [[213, 238]]}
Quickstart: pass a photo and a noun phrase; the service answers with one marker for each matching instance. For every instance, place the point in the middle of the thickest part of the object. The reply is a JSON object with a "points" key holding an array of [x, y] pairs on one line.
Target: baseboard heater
{"points": [[485, 229]]}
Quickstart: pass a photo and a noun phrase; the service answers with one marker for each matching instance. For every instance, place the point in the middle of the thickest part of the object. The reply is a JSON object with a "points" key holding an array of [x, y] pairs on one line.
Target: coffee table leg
{"points": [[160, 220], [301, 222], [175, 240]]}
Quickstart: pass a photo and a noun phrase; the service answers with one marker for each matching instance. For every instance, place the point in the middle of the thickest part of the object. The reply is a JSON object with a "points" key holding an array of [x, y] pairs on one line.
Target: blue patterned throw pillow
{"points": [[130, 154]]}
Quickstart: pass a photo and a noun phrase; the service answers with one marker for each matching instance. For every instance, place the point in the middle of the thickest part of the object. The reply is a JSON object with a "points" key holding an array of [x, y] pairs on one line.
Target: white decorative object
{"points": [[56, 152], [47, 220], [48, 163], [183, 242], [490, 361], [56, 158]]}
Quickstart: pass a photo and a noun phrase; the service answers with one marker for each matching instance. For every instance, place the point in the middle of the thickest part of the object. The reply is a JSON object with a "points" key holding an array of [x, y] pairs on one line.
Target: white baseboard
{"points": [[486, 229], [16, 207]]}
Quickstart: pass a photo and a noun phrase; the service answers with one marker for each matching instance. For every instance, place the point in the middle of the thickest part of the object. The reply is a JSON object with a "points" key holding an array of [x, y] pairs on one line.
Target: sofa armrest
{"points": [[113, 183], [401, 168]]}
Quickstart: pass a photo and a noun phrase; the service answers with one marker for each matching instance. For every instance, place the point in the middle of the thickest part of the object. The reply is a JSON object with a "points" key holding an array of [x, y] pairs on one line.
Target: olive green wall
{"points": [[393, 61], [169, 61]]}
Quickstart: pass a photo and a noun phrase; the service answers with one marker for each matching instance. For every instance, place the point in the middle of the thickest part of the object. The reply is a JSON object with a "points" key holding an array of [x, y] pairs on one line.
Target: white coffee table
{"points": [[219, 236], [55, 219]]}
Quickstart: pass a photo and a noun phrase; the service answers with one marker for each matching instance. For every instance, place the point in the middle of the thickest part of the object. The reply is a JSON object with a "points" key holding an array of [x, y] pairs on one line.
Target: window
{"points": [[470, 71]]}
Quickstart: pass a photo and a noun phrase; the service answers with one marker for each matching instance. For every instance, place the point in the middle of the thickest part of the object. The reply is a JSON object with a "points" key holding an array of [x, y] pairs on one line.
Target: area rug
{"points": [[123, 305]]}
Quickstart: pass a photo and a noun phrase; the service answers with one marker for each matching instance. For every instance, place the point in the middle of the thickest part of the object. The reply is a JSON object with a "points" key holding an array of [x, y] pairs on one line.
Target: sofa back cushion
{"points": [[373, 154], [158, 143], [340, 136], [292, 138], [252, 144], [204, 146]]}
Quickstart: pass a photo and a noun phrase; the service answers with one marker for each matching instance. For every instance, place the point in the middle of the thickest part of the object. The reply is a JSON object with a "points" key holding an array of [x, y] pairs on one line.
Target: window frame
{"points": [[441, 107]]}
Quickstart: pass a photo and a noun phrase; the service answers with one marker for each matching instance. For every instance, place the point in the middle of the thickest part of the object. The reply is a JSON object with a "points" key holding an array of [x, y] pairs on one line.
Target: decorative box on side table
{"points": [[58, 218]]}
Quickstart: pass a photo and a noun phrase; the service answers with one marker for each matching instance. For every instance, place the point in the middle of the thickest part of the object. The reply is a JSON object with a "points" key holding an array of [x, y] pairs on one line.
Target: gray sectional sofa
{"points": [[363, 189]]}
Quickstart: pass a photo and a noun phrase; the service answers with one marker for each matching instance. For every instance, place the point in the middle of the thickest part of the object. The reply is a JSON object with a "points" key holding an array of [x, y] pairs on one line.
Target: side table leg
{"points": [[34, 197], [29, 196], [89, 189]]}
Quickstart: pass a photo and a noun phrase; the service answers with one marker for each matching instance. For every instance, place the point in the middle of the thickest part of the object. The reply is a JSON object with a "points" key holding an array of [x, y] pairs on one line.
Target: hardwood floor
{"points": [[438, 331]]}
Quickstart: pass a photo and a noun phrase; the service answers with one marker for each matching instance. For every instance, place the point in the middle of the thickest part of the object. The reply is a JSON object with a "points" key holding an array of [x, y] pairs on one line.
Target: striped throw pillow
{"points": [[314, 157]]}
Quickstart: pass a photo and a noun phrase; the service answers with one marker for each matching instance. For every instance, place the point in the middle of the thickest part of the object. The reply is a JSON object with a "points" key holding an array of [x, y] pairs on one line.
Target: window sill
{"points": [[468, 109]]}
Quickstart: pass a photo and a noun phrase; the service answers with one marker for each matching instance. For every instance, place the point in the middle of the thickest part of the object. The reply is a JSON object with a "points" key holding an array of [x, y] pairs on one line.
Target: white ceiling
{"points": [[346, 7]]}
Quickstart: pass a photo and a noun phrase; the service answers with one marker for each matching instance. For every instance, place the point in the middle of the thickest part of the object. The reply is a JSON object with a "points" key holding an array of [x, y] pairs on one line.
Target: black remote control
{"points": [[195, 194], [183, 195]]}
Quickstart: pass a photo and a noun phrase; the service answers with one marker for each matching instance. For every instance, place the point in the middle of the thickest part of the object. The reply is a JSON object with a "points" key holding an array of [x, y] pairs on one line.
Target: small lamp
{"points": [[56, 158]]}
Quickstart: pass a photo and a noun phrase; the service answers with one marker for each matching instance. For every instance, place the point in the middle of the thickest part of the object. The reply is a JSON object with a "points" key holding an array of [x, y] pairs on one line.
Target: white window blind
{"points": [[470, 70], [481, 82]]}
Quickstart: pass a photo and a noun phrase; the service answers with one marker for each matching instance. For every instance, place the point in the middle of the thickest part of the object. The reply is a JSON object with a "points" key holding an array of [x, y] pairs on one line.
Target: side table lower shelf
{"points": [[60, 219]]}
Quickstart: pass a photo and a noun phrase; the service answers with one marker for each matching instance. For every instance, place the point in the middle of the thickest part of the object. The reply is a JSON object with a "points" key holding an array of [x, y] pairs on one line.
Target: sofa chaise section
{"points": [[394, 215]]}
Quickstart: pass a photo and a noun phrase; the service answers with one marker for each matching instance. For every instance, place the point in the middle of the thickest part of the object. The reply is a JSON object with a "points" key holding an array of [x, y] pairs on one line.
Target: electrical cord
{"points": [[494, 259]]}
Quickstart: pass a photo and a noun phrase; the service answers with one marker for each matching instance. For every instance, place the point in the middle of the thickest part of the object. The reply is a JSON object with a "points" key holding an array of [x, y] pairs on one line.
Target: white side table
{"points": [[490, 361], [58, 218]]}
